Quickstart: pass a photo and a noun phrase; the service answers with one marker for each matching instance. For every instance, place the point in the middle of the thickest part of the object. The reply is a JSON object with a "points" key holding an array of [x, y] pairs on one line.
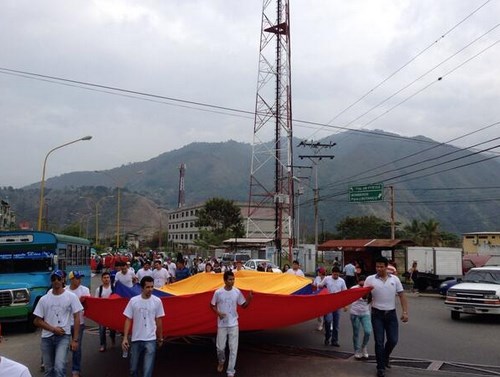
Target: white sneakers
{"points": [[365, 353], [358, 355]]}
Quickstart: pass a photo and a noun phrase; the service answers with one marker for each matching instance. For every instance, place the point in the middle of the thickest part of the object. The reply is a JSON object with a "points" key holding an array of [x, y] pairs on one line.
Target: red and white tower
{"points": [[271, 195], [182, 194]]}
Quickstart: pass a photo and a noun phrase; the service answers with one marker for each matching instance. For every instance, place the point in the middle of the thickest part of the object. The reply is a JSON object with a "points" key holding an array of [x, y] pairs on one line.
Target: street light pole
{"points": [[119, 185], [118, 193], [42, 183]]}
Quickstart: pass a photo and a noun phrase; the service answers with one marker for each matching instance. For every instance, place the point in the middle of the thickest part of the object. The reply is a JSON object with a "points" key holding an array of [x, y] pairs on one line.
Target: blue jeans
{"points": [[146, 351], [54, 354], [385, 323], [102, 335], [77, 355], [332, 327], [357, 322]]}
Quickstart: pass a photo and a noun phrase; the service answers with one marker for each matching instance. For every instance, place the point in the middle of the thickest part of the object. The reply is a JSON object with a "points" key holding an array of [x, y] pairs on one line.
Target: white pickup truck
{"points": [[478, 293]]}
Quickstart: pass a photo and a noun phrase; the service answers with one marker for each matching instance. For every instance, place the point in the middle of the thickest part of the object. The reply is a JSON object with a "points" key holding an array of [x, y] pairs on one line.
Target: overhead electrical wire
{"points": [[344, 192], [418, 79], [183, 103], [458, 150], [408, 62]]}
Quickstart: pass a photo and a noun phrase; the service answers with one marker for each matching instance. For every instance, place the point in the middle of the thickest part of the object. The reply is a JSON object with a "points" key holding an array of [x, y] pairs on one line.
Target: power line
{"points": [[407, 63], [445, 143], [433, 159], [144, 96], [419, 78]]}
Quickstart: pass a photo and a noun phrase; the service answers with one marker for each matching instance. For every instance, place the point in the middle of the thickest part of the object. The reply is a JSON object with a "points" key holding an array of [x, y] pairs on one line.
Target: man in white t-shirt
{"points": [[145, 270], [126, 275], [104, 291], [146, 312], [11, 368], [295, 270], [224, 303], [171, 267], [334, 284], [76, 287], [350, 274], [386, 287], [160, 275], [56, 311]]}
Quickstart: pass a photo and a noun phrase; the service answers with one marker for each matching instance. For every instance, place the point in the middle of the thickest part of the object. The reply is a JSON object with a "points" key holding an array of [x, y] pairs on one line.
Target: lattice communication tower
{"points": [[271, 195]]}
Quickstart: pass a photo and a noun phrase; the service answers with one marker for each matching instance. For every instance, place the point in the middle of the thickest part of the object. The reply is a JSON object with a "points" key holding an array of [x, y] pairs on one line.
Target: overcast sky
{"points": [[207, 51]]}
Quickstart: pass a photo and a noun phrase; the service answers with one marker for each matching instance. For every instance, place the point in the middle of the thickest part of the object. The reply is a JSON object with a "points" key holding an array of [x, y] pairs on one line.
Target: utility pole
{"points": [[393, 223], [317, 147]]}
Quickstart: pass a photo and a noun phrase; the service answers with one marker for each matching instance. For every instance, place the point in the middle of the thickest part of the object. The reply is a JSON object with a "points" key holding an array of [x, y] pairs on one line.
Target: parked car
{"points": [[228, 258], [478, 293], [447, 284], [252, 264]]}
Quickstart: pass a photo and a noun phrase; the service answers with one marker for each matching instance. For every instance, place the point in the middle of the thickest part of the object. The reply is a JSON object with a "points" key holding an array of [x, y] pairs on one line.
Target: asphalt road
{"points": [[430, 340]]}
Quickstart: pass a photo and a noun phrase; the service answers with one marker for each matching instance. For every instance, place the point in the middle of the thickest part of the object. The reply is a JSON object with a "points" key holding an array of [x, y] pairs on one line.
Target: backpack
{"points": [[100, 290]]}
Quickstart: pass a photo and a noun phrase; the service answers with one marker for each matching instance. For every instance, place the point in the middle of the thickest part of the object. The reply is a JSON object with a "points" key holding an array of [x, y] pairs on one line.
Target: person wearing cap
{"points": [[316, 282], [126, 275], [145, 311], [386, 287], [334, 284], [56, 311], [360, 317], [82, 292], [145, 270]]}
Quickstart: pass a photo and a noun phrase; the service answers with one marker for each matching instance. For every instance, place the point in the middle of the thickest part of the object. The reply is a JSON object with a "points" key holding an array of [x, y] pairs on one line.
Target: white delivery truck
{"points": [[434, 264]]}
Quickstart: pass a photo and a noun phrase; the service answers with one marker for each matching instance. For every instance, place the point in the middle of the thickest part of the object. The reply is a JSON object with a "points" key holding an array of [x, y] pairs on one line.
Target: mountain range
{"points": [[457, 187]]}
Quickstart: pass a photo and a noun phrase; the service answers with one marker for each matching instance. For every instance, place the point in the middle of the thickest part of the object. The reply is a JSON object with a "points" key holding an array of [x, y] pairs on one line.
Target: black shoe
{"points": [[335, 344], [388, 364], [327, 342], [380, 373]]}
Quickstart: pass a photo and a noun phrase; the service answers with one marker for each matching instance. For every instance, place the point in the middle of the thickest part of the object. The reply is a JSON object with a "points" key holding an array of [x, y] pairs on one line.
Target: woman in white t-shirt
{"points": [[316, 282], [360, 317]]}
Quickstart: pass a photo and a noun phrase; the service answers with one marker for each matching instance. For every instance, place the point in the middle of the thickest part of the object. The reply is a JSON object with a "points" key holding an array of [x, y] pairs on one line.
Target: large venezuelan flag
{"points": [[279, 300]]}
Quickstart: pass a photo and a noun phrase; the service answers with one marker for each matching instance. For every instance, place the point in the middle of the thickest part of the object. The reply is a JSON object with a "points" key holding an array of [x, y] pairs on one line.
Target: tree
{"points": [[72, 230], [218, 220], [430, 233], [427, 233], [363, 227], [413, 231]]}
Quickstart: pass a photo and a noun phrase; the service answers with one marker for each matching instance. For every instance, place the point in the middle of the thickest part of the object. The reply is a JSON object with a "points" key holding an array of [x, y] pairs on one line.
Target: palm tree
{"points": [[431, 236], [413, 231]]}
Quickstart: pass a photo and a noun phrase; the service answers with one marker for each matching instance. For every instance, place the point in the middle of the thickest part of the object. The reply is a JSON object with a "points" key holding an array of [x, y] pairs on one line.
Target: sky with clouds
{"points": [[207, 51]]}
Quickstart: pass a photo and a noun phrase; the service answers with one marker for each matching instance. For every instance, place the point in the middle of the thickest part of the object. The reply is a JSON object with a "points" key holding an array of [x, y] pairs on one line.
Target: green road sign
{"points": [[366, 193]]}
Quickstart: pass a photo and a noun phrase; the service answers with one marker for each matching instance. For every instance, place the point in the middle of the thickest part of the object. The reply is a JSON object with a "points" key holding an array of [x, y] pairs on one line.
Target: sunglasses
{"points": [[55, 277]]}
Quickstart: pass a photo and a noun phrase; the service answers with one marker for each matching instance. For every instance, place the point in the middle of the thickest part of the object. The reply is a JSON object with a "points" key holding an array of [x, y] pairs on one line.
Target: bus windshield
{"points": [[11, 264], [25, 262]]}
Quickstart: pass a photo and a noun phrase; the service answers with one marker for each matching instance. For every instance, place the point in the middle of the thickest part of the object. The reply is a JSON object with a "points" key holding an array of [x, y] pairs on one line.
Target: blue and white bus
{"points": [[27, 258]]}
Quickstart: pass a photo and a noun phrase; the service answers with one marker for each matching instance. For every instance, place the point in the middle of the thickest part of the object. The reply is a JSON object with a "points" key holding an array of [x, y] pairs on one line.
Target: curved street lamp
{"points": [[42, 183]]}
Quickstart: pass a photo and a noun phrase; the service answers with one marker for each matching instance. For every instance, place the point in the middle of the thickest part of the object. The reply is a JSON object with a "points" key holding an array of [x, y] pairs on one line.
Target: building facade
{"points": [[182, 230], [487, 243]]}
